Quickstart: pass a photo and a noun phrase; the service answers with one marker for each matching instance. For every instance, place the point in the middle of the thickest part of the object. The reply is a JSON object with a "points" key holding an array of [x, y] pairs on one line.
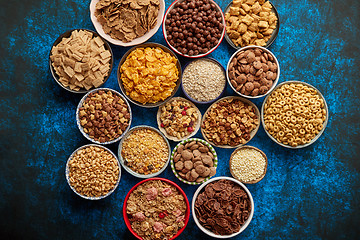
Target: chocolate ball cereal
{"points": [[229, 122], [294, 114], [104, 115], [253, 72], [194, 27]]}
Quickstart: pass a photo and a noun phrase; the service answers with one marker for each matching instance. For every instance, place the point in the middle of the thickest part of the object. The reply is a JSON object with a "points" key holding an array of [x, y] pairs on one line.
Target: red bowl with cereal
{"points": [[93, 172], [87, 67], [178, 119], [253, 71], [230, 122], [194, 161], [149, 74], [196, 37], [156, 208], [144, 152]]}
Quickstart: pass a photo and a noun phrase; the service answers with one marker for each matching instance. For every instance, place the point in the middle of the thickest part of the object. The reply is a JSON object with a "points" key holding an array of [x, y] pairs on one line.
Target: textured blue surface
{"points": [[312, 193]]}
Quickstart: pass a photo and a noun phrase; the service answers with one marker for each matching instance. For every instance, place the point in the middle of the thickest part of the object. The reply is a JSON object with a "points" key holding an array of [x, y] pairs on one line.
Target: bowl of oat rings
{"points": [[230, 122], [127, 23], [93, 172], [103, 116], [80, 60], [178, 119], [194, 161], [253, 71], [144, 152], [194, 28], [156, 208], [222, 207], [149, 74], [255, 23], [294, 114], [203, 80]]}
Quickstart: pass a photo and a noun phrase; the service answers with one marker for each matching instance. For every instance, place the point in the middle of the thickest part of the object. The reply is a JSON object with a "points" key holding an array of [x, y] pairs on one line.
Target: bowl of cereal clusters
{"points": [[80, 60], [194, 28], [178, 119], [203, 80], [194, 161], [149, 74], [156, 208], [222, 207], [127, 23], [251, 23], [248, 164], [253, 71], [103, 116], [93, 172], [294, 114], [144, 152], [230, 122]]}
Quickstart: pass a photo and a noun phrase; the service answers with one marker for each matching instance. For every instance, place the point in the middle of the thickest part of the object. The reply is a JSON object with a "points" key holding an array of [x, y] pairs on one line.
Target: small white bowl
{"points": [[68, 178], [136, 41], [135, 174], [244, 49], [208, 232]]}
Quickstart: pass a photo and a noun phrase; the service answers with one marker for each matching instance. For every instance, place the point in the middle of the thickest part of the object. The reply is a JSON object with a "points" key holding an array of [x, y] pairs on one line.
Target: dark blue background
{"points": [[311, 193]]}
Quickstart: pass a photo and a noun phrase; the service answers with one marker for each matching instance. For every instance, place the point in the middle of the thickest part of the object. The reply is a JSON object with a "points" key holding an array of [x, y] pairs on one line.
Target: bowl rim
{"points": [[145, 37], [67, 170], [207, 58], [172, 164], [82, 129], [252, 133], [153, 45], [133, 173], [199, 55], [244, 49], [250, 147], [187, 213], [324, 124], [68, 34], [208, 232], [274, 34]]}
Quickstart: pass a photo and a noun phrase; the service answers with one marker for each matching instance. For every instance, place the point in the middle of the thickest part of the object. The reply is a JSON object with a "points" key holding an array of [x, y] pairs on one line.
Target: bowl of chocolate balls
{"points": [[194, 28]]}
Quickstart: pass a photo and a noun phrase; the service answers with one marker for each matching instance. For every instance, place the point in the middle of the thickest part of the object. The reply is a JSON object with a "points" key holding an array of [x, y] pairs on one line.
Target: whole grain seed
{"points": [[203, 80], [145, 151]]}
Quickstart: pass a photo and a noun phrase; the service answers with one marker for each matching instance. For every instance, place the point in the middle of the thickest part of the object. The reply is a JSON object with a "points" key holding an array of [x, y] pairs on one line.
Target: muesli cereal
{"points": [[145, 151], [156, 210], [179, 117]]}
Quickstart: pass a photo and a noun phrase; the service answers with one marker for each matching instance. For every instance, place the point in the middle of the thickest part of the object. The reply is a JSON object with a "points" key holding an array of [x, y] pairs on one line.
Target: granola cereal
{"points": [[145, 151], [156, 210], [178, 118]]}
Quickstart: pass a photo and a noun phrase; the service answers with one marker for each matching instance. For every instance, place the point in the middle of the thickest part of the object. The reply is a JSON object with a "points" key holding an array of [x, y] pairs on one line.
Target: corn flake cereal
{"points": [[149, 75]]}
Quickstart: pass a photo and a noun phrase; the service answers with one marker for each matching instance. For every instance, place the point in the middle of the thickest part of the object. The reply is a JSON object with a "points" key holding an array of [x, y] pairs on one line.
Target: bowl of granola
{"points": [[127, 23], [149, 74], [156, 208], [144, 152], [178, 119]]}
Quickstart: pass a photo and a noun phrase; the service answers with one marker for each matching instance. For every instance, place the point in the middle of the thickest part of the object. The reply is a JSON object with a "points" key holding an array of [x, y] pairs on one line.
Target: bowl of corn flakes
{"points": [[149, 74], [127, 23]]}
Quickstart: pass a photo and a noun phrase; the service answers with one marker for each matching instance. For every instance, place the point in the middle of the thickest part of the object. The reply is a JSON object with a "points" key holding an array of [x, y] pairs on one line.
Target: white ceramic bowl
{"points": [[208, 232], [244, 49], [136, 41], [68, 178], [135, 174]]}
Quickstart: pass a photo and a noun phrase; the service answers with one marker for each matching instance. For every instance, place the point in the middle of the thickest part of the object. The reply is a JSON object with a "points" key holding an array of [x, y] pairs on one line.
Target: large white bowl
{"points": [[136, 41]]}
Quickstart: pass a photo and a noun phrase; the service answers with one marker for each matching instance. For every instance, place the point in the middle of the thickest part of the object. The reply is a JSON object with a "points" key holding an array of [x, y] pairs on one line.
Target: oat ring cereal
{"points": [[294, 114]]}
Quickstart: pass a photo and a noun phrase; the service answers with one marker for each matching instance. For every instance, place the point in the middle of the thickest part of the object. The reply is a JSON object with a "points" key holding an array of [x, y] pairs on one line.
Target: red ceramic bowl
{"points": [[201, 54], [187, 214]]}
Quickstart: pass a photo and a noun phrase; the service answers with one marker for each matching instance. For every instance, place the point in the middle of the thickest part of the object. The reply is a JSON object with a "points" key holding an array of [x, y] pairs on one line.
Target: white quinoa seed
{"points": [[203, 80], [248, 164]]}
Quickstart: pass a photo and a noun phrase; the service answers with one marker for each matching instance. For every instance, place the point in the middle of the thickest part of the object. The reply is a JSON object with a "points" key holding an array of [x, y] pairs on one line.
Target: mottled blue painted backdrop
{"points": [[312, 193]]}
